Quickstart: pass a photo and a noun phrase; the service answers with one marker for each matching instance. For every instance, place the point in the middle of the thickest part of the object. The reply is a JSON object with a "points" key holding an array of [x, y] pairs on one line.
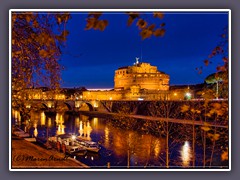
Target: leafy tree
{"points": [[37, 40]]}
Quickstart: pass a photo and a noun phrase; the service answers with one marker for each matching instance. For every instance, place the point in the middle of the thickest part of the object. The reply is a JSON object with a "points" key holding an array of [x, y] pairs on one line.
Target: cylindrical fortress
{"points": [[142, 75]]}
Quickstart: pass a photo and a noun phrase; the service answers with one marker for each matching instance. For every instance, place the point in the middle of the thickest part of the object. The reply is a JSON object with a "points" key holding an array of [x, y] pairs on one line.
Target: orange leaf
{"points": [[141, 24], [130, 21], [205, 128], [100, 25], [146, 33], [90, 23], [206, 62], [151, 27], [162, 25], [224, 156], [159, 32], [158, 14]]}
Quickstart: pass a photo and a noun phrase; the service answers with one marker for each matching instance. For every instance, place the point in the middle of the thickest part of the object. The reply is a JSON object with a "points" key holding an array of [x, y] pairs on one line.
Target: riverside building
{"points": [[142, 81]]}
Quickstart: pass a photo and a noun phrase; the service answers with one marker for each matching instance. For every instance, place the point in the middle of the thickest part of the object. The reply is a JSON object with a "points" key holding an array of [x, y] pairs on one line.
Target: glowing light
{"points": [[49, 122], [28, 106], [35, 132], [110, 98], [175, 94], [140, 99], [49, 104], [73, 137], [188, 95], [186, 154], [95, 104], [42, 118], [106, 130]]}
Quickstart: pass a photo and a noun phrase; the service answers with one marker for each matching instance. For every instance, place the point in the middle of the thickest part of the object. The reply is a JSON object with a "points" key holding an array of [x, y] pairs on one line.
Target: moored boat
{"points": [[89, 145], [66, 143], [19, 132]]}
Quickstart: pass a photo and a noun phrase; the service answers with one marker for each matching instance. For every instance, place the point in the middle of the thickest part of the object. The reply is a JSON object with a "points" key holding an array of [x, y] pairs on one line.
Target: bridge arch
{"points": [[39, 105], [68, 105], [86, 106], [63, 105]]}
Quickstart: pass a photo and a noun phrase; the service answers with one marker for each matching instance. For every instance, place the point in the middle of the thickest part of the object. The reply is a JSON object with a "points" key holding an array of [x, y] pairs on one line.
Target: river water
{"points": [[123, 147]]}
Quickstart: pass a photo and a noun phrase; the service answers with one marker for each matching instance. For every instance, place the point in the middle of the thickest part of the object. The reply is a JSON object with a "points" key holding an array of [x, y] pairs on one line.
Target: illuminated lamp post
{"points": [[188, 96]]}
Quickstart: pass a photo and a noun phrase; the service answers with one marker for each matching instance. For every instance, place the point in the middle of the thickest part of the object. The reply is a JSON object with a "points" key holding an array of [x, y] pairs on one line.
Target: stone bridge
{"points": [[70, 105], [171, 109]]}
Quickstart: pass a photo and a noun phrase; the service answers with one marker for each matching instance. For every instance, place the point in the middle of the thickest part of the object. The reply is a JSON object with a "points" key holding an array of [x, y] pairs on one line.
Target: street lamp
{"points": [[73, 137], [188, 95]]}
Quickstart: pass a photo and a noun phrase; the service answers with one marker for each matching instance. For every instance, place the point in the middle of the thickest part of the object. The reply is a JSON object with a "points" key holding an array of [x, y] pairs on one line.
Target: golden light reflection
{"points": [[59, 121], [49, 122], [35, 132], [85, 130], [95, 104], [42, 118], [106, 131], [186, 154], [49, 104], [157, 148], [95, 122], [77, 121], [16, 115], [88, 130], [80, 128]]}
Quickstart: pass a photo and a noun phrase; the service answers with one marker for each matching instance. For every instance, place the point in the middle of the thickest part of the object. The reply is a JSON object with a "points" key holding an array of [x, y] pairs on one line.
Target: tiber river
{"points": [[123, 147]]}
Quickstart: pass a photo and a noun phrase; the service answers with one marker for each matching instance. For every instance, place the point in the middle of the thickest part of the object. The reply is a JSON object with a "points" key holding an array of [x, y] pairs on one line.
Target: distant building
{"points": [[138, 82], [142, 76]]}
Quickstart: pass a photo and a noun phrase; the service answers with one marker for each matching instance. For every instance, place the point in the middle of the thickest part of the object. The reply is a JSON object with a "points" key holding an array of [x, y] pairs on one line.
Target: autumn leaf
{"points": [[159, 32], [206, 62], [216, 105], [141, 23], [146, 33], [133, 15], [205, 128], [43, 53], [101, 25], [193, 110], [184, 108], [221, 68], [225, 59], [163, 24], [158, 15], [130, 21], [28, 18], [224, 155], [90, 23], [216, 137], [151, 27], [96, 15]]}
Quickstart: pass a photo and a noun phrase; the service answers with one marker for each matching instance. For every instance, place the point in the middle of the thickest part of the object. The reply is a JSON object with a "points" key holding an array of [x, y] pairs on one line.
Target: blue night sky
{"points": [[91, 56]]}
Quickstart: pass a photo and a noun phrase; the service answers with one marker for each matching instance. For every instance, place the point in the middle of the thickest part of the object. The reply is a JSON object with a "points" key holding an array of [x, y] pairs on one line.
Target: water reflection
{"points": [[186, 154], [59, 122], [43, 118], [85, 129], [16, 116], [127, 146], [35, 131], [119, 146]]}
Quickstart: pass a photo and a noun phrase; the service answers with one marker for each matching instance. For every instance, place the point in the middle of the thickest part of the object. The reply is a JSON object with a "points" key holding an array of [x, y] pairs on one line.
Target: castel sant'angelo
{"points": [[142, 81]]}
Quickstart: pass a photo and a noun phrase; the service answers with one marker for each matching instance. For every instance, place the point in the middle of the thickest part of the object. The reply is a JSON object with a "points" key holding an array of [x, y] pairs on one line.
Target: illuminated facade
{"points": [[138, 82], [142, 76]]}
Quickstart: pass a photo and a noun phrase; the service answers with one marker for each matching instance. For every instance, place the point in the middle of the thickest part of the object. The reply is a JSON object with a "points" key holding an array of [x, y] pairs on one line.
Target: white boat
{"points": [[89, 145], [67, 144]]}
